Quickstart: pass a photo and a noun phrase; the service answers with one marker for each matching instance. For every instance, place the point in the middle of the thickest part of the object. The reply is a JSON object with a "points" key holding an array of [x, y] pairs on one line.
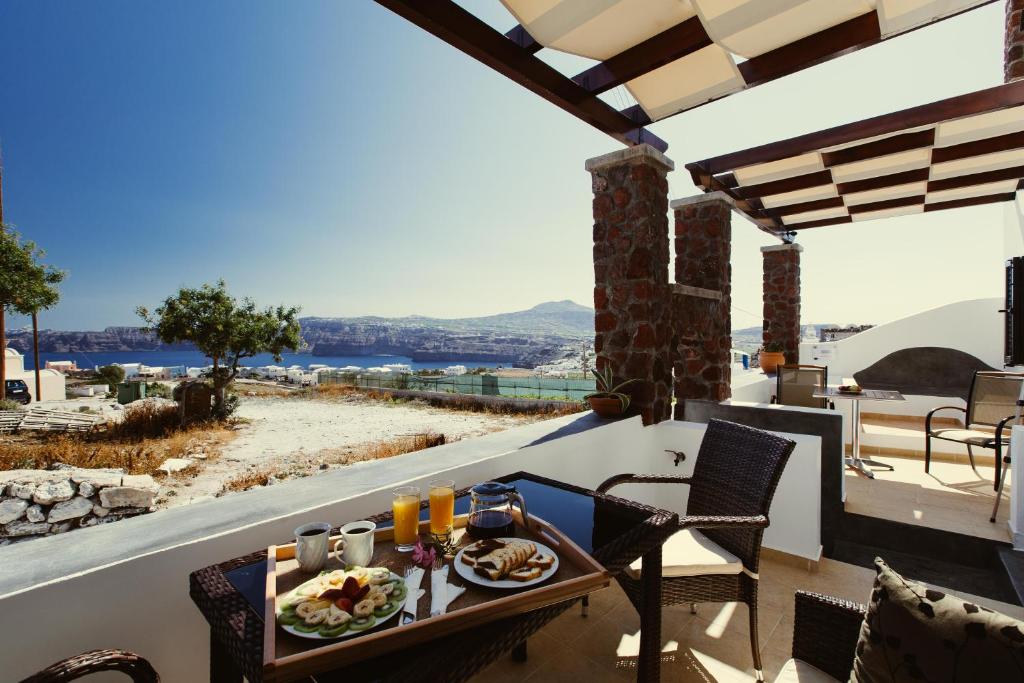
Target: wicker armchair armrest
{"points": [[709, 522], [641, 479], [825, 632], [134, 666]]}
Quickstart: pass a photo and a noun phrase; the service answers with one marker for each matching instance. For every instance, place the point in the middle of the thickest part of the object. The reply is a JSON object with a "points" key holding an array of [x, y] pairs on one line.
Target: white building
{"points": [[130, 369], [51, 381], [455, 370], [398, 368]]}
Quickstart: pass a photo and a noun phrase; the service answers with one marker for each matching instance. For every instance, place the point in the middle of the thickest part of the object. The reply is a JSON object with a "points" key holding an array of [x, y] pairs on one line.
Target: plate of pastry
{"points": [[342, 603], [506, 563]]}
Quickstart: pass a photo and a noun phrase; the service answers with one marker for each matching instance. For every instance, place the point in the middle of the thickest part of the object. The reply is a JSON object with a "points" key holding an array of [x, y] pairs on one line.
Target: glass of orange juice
{"points": [[406, 509], [442, 506]]}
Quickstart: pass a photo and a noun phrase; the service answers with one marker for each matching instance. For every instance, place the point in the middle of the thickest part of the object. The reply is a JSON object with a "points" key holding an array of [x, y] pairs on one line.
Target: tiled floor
{"points": [[950, 497], [712, 645]]}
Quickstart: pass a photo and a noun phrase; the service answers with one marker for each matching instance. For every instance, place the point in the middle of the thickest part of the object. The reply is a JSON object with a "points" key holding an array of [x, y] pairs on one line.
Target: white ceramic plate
{"points": [[467, 573], [347, 634]]}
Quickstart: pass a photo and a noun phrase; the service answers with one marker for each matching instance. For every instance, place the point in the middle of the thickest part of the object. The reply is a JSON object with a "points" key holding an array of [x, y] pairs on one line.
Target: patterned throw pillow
{"points": [[914, 633]]}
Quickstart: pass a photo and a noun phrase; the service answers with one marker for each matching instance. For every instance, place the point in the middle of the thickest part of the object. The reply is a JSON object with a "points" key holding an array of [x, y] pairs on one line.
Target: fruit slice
{"points": [[303, 627], [399, 592], [332, 631], [362, 623], [385, 609], [344, 604], [288, 618]]}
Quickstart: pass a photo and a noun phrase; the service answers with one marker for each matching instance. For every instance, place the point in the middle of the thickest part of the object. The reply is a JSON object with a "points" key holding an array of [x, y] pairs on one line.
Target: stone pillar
{"points": [[631, 257], [702, 299], [1013, 54], [782, 298]]}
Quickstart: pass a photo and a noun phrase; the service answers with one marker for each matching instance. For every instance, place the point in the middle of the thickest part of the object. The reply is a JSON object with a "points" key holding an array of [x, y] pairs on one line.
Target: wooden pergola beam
{"points": [[464, 31], [664, 48]]}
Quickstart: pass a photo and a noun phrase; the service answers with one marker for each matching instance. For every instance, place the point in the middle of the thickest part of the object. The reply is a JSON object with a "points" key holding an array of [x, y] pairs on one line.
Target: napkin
{"points": [[442, 593], [439, 591], [412, 584]]}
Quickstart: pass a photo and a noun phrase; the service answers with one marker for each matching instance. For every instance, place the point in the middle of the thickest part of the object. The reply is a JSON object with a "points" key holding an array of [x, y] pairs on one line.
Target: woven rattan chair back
{"points": [[797, 384], [736, 473], [993, 397]]}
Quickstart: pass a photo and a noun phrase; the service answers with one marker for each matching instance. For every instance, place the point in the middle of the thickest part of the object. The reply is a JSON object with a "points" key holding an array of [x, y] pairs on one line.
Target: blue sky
{"points": [[331, 155]]}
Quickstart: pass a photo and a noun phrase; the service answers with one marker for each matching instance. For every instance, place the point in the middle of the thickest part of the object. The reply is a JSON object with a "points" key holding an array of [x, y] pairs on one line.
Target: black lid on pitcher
{"points": [[492, 488]]}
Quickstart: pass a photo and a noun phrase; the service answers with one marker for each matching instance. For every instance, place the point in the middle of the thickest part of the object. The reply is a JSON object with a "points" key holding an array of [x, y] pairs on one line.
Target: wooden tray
{"points": [[287, 657]]}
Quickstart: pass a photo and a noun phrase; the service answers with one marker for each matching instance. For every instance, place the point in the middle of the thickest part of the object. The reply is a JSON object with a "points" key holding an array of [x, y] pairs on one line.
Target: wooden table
{"points": [[615, 532], [855, 461]]}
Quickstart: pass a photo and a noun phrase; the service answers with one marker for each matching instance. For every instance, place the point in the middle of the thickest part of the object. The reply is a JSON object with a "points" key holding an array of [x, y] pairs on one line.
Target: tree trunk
{"points": [[3, 352], [35, 354]]}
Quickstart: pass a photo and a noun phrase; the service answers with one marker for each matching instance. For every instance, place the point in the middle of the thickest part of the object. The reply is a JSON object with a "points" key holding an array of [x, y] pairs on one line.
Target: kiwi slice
{"points": [[333, 631], [384, 610], [399, 592], [362, 623], [303, 627], [288, 618]]}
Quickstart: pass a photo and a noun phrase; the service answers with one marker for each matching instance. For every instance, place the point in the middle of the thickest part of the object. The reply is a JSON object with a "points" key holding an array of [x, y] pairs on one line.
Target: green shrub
{"points": [[8, 404]]}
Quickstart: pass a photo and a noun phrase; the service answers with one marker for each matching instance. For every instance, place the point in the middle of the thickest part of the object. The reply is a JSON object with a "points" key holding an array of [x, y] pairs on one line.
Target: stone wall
{"points": [[631, 292], [1013, 55], [43, 502], [701, 303], [781, 290]]}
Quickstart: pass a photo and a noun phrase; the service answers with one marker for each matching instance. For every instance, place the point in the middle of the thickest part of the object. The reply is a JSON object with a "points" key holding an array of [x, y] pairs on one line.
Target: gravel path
{"points": [[285, 431]]}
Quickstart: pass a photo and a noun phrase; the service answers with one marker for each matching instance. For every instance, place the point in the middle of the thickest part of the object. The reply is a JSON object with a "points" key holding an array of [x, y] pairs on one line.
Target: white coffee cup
{"points": [[311, 541], [356, 543]]}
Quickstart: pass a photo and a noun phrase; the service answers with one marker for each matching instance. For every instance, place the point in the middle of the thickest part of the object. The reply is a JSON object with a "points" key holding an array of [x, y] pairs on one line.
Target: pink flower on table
{"points": [[423, 556]]}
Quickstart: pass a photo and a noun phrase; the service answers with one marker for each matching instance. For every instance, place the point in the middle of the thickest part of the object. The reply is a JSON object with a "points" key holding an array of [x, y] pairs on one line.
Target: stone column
{"points": [[1013, 55], [782, 298], [702, 299], [631, 260]]}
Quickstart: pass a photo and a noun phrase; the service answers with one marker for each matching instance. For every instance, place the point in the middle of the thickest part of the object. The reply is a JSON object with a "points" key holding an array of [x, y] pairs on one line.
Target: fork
{"points": [[438, 563]]}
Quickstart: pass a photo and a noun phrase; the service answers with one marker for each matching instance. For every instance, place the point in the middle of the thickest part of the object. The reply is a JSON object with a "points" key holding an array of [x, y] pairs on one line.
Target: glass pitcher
{"points": [[490, 510]]}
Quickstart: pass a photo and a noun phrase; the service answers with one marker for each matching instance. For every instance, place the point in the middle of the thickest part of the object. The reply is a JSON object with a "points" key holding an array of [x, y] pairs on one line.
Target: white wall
{"points": [[972, 326], [126, 584], [1013, 227]]}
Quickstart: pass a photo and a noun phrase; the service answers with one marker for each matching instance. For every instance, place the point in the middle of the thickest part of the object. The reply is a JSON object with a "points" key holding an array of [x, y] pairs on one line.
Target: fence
{"points": [[483, 385]]}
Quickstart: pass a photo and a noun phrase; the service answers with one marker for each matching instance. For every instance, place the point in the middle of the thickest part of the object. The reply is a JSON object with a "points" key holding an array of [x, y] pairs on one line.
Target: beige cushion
{"points": [[796, 671], [691, 553]]}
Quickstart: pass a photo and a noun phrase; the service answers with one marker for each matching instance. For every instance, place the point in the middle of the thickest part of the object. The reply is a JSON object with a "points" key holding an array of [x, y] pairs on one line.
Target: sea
{"points": [[197, 359]]}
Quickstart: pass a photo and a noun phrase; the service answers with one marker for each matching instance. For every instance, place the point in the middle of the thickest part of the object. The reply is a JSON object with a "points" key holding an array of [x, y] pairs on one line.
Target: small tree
{"points": [[112, 375], [26, 285], [224, 329]]}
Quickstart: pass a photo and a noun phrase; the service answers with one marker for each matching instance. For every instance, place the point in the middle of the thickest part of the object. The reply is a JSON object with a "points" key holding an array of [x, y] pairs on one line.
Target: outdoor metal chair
{"points": [[135, 667], [796, 384], [731, 491], [993, 406]]}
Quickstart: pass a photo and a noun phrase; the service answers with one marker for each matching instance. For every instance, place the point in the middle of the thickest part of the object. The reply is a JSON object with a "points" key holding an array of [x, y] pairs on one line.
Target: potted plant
{"points": [[772, 356], [608, 400]]}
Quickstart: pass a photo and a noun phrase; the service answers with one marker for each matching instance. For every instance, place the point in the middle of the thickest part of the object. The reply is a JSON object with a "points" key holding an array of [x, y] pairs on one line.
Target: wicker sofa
{"points": [[825, 633]]}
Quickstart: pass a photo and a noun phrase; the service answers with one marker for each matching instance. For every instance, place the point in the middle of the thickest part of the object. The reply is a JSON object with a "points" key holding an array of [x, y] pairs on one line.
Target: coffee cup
{"points": [[356, 543], [311, 541]]}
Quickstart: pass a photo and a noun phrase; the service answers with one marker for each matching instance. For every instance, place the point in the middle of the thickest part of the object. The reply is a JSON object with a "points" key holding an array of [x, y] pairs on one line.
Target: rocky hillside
{"points": [[539, 335]]}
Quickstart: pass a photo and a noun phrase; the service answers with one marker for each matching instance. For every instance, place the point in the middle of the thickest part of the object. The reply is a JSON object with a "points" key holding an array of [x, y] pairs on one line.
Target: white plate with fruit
{"points": [[342, 603]]}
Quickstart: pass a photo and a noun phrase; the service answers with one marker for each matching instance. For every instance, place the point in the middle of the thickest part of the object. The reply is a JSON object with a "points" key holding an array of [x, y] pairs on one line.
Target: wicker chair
{"points": [[731, 490], [132, 665], [796, 385], [825, 634]]}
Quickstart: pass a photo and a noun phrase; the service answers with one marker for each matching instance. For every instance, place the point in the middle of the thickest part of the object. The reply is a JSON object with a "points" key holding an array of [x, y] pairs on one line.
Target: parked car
{"points": [[17, 390]]}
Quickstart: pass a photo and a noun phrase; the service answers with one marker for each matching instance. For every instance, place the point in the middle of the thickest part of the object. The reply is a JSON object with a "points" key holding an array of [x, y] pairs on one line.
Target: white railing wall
{"points": [[126, 584]]}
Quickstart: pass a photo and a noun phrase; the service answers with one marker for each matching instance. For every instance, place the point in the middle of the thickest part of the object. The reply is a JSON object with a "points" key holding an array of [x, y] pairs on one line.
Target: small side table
{"points": [[855, 461]]}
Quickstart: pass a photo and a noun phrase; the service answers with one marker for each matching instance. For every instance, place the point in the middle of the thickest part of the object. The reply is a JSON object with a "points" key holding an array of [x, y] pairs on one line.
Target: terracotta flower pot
{"points": [[771, 360], [606, 407]]}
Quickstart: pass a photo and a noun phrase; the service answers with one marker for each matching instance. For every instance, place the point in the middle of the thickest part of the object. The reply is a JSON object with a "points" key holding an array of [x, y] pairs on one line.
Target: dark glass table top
{"points": [[573, 513]]}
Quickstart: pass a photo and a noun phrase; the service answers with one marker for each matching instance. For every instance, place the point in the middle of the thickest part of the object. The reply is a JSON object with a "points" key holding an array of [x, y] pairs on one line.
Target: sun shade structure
{"points": [[962, 151], [671, 55]]}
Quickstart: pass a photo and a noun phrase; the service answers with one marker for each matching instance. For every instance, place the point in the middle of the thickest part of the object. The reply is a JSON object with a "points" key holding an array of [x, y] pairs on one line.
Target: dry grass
{"points": [[338, 457], [148, 435], [460, 402]]}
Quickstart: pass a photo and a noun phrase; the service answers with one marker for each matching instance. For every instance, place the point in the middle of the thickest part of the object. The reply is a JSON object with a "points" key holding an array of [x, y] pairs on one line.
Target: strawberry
{"points": [[344, 604]]}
